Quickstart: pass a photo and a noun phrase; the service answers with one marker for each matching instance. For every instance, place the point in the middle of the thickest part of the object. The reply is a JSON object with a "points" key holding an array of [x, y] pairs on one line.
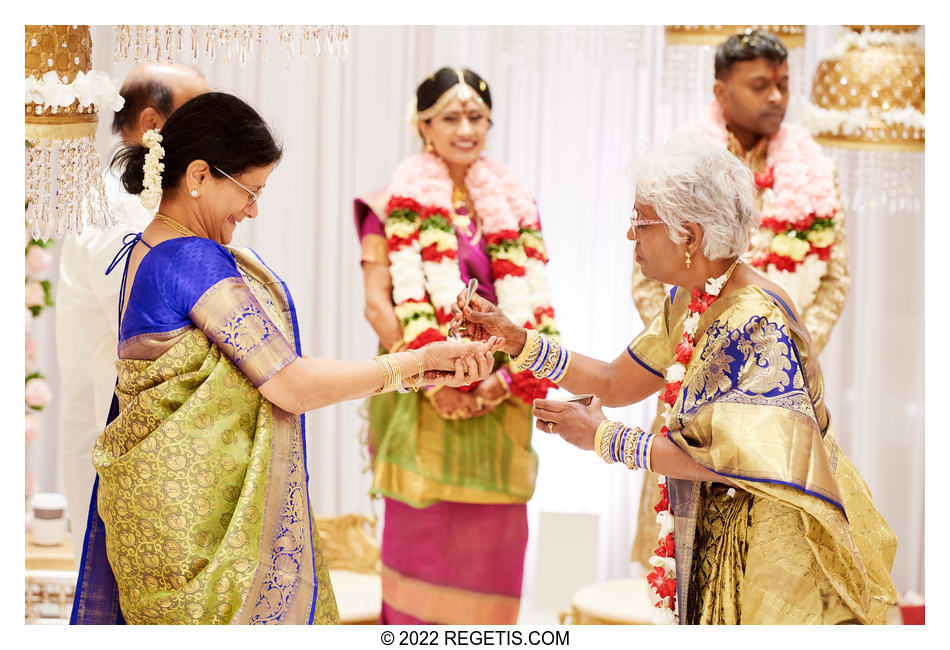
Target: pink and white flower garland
{"points": [[663, 576], [423, 250], [799, 205]]}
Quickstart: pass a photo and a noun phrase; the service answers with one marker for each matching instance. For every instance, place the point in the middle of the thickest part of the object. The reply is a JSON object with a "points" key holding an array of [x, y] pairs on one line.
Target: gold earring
{"points": [[194, 194], [429, 147], [688, 261]]}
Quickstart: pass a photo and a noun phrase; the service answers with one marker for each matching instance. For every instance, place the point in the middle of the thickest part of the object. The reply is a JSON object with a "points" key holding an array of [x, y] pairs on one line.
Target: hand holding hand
{"points": [[573, 421], [480, 320], [458, 364]]}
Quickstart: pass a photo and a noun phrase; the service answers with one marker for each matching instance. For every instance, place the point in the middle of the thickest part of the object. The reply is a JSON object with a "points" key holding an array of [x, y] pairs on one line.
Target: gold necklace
{"points": [[460, 211], [174, 225]]}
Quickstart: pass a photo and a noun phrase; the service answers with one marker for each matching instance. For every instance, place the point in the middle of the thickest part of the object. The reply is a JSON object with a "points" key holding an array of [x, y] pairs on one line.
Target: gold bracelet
{"points": [[630, 447], [551, 361], [392, 375], [599, 436], [604, 430], [397, 346], [415, 354], [529, 353]]}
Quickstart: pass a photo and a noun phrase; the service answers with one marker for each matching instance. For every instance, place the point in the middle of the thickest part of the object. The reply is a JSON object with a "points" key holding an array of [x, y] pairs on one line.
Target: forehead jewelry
{"points": [[461, 91]]}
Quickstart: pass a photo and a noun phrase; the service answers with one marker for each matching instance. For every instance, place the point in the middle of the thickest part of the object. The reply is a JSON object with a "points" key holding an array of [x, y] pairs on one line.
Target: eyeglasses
{"points": [[635, 222], [254, 196]]}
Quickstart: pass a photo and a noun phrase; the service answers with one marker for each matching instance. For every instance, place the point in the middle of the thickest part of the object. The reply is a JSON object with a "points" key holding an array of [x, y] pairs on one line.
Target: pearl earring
{"points": [[194, 194]]}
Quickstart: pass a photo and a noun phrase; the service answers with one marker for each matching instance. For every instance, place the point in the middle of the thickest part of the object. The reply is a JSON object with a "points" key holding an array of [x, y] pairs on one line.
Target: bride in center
{"points": [[455, 467]]}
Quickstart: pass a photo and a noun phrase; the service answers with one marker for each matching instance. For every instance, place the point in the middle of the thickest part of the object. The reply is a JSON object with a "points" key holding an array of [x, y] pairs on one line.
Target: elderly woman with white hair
{"points": [[763, 518]]}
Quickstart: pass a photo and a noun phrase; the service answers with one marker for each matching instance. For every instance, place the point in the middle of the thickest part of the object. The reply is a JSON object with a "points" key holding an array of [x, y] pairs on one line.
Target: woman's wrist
{"points": [[517, 342]]}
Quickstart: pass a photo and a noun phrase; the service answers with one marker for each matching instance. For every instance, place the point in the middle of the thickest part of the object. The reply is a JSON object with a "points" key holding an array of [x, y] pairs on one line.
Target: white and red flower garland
{"points": [[423, 252], [663, 577], [799, 205]]}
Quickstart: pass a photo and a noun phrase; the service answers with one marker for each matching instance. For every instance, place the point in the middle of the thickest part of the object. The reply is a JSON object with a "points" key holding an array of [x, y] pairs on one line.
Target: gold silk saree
{"points": [[201, 512], [798, 540]]}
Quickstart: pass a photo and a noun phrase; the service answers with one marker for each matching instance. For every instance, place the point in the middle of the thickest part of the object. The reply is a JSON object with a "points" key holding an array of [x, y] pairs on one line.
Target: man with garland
{"points": [[800, 243], [87, 300]]}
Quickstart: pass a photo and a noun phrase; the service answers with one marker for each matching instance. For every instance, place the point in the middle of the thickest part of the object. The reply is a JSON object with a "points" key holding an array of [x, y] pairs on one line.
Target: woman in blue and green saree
{"points": [[200, 512], [762, 517]]}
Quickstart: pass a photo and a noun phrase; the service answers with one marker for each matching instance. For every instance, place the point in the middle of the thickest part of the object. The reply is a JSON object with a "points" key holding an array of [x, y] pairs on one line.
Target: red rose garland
{"points": [[663, 577]]}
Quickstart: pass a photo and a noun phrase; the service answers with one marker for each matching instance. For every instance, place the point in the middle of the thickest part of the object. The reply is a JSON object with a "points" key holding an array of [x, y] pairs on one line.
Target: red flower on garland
{"points": [[670, 393], [535, 253], [526, 387], [664, 587], [667, 547], [431, 253], [430, 211], [426, 336], [822, 253], [503, 268], [402, 203], [394, 242], [543, 311], [805, 223], [774, 224], [500, 236], [701, 302], [684, 351], [663, 503], [782, 262], [443, 315], [765, 179]]}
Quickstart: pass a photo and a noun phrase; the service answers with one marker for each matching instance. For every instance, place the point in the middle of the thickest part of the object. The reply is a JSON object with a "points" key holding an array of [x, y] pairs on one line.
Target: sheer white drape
{"points": [[569, 127]]}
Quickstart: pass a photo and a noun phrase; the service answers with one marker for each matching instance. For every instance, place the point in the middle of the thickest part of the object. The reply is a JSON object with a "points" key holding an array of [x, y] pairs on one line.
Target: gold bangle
{"points": [[630, 447], [397, 346], [415, 354], [602, 440], [529, 353], [551, 361], [392, 375]]}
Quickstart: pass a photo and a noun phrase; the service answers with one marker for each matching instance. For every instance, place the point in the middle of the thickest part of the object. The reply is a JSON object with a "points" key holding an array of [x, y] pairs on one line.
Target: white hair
{"points": [[692, 179]]}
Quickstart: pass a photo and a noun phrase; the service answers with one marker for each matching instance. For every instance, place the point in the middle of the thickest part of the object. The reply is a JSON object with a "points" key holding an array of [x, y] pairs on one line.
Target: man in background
{"points": [[87, 300]]}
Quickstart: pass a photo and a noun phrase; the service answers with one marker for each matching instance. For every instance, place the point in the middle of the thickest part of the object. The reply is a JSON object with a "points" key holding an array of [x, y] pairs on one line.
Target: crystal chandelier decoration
{"points": [[867, 111], [598, 45], [64, 188], [688, 66], [191, 43]]}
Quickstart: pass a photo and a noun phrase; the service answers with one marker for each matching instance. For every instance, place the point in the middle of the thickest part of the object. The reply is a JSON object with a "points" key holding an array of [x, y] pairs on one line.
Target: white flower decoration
{"points": [[675, 373], [152, 182]]}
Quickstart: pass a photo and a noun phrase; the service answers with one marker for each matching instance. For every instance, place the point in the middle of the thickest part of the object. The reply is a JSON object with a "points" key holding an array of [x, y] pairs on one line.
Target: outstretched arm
{"points": [[619, 382]]}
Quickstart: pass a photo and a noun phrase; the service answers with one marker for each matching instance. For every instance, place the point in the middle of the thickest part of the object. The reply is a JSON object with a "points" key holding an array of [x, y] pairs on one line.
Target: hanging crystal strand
{"points": [[169, 43], [65, 218], [262, 33], [346, 41], [117, 42], [195, 44], [287, 37], [104, 216], [179, 35], [209, 43]]}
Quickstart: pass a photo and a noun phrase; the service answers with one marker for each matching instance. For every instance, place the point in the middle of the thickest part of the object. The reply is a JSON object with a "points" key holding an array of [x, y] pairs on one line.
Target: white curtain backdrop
{"points": [[569, 126]]}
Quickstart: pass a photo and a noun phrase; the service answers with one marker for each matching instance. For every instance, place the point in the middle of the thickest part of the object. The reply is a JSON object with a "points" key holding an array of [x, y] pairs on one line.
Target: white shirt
{"points": [[87, 304]]}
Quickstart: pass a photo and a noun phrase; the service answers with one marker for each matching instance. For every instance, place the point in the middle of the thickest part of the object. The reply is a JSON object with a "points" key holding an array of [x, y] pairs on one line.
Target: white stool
{"points": [[614, 602]]}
